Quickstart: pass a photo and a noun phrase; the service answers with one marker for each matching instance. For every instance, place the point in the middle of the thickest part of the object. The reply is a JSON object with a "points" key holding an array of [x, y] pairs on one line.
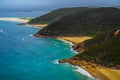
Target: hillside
{"points": [[103, 50], [55, 15], [93, 21]]}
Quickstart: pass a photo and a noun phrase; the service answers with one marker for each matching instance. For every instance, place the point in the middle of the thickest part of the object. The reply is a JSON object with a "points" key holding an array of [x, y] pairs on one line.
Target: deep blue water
{"points": [[23, 57]]}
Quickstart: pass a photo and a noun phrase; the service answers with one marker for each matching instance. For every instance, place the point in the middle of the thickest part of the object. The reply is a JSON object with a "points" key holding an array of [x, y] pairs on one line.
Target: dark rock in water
{"points": [[73, 61], [41, 36], [63, 61], [36, 35], [21, 24], [79, 47]]}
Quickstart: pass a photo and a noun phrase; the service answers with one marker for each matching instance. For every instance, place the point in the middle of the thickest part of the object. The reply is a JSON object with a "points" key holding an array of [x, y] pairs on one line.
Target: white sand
{"points": [[15, 20]]}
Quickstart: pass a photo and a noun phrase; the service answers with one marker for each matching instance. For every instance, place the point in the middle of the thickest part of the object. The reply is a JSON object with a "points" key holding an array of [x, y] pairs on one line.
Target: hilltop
{"points": [[93, 21], [55, 15]]}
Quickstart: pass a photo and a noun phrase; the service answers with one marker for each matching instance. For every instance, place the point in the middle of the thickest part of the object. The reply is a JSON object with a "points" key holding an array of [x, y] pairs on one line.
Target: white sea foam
{"points": [[80, 70], [31, 35], [71, 44], [84, 72], [55, 62], [1, 31], [23, 39], [74, 51]]}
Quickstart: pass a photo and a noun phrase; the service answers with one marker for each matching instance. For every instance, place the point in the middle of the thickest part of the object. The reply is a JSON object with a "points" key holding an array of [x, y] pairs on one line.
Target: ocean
{"points": [[24, 57], [23, 14]]}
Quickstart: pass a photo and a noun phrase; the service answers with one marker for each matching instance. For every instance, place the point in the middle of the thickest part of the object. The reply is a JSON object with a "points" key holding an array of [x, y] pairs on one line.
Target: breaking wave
{"points": [[83, 72], [55, 62]]}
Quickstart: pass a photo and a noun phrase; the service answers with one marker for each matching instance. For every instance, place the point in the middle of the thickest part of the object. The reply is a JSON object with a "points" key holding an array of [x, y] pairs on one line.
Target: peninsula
{"points": [[99, 51]]}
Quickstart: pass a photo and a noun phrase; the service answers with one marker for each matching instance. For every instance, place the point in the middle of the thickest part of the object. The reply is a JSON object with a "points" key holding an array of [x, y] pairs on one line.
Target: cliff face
{"points": [[89, 22]]}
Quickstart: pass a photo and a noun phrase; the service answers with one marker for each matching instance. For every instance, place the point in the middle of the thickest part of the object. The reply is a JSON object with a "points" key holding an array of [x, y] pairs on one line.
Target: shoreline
{"points": [[70, 43], [95, 70], [76, 40], [64, 39], [79, 69]]}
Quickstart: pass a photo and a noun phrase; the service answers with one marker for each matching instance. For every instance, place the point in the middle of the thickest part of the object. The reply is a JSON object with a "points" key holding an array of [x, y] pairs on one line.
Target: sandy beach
{"points": [[97, 71], [76, 40], [101, 72]]}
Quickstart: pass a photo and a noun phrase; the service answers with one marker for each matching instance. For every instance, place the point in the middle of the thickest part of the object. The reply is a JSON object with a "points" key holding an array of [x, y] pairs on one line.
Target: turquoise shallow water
{"points": [[23, 57]]}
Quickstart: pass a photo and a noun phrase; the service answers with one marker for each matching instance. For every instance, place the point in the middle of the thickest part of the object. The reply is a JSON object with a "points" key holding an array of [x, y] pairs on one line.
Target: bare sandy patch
{"points": [[76, 40]]}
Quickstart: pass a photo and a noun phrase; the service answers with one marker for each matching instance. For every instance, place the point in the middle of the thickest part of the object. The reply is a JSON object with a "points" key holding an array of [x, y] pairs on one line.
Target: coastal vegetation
{"points": [[90, 22]]}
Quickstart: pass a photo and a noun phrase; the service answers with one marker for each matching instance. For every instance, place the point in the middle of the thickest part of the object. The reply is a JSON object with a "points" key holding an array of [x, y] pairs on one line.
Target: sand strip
{"points": [[21, 20]]}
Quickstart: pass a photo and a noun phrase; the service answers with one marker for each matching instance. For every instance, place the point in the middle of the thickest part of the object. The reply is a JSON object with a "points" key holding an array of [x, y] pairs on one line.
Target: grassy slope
{"points": [[55, 15], [89, 22]]}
